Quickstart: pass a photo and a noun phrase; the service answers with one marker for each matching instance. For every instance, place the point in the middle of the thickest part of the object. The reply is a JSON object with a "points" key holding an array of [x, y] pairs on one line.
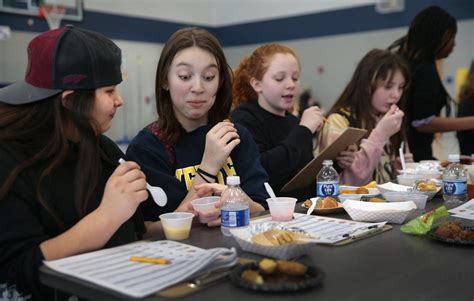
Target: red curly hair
{"points": [[255, 66]]}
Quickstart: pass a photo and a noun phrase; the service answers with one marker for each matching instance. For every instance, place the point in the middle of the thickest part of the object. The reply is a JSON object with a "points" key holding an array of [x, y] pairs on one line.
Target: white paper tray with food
{"points": [[273, 240], [394, 213]]}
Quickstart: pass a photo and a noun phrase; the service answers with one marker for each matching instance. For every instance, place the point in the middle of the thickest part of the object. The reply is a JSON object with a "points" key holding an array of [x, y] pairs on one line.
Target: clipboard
{"points": [[308, 173]]}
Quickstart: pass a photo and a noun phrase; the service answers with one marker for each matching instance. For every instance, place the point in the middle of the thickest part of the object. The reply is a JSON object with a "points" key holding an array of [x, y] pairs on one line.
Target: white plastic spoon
{"points": [[402, 157], [157, 193], [269, 189], [314, 201]]}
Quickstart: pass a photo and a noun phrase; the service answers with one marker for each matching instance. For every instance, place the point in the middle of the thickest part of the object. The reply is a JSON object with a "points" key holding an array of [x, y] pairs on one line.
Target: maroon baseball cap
{"points": [[67, 58]]}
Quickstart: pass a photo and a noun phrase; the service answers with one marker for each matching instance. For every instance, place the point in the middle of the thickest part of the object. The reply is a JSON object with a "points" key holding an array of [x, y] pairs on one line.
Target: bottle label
{"points": [[454, 187], [327, 189], [235, 218]]}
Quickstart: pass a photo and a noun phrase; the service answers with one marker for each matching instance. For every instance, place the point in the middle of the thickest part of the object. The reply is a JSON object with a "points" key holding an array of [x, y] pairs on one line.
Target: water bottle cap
{"points": [[233, 180], [454, 158], [327, 162]]}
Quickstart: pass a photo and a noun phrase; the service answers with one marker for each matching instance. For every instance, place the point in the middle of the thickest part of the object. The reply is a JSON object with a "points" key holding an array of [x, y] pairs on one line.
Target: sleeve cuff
{"points": [[420, 122]]}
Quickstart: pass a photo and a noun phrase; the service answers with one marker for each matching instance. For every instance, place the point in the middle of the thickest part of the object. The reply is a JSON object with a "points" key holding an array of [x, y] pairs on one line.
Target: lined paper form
{"points": [[465, 210], [111, 268]]}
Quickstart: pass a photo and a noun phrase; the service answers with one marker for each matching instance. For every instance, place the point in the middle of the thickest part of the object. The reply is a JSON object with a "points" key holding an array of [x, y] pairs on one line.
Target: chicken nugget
{"points": [[292, 268], [252, 276], [267, 266]]}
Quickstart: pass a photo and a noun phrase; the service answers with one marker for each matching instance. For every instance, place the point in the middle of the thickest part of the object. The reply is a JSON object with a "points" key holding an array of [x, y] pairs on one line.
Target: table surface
{"points": [[389, 266]]}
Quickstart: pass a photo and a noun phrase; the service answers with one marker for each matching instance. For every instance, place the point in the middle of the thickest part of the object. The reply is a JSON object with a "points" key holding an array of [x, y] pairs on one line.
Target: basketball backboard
{"points": [[73, 12]]}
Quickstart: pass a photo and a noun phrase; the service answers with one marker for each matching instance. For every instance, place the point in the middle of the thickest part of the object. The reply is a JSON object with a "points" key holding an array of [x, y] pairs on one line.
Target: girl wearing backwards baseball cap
{"points": [[62, 191]]}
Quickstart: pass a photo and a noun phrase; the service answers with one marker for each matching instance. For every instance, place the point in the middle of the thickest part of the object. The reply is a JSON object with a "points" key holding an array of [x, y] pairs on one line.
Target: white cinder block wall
{"points": [[337, 55]]}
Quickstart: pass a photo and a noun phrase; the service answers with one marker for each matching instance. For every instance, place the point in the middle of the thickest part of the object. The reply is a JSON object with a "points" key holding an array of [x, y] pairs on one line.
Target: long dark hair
{"points": [[39, 131], [429, 32], [182, 39], [375, 67]]}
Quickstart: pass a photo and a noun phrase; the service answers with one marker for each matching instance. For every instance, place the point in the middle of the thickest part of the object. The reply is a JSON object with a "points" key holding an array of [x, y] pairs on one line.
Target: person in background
{"points": [[306, 100], [265, 87], [62, 191], [369, 101], [466, 108], [431, 37], [192, 142]]}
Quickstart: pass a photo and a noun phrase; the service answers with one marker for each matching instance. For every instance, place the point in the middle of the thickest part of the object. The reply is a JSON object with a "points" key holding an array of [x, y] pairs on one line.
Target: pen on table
{"points": [[149, 260], [350, 234], [366, 233]]}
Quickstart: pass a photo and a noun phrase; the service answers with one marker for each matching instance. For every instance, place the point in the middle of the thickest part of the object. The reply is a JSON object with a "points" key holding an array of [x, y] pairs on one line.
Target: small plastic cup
{"points": [[282, 208], [205, 205], [176, 225], [418, 198], [408, 180]]}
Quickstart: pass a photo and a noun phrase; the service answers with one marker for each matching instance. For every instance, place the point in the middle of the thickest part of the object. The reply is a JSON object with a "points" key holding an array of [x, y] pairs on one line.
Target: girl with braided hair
{"points": [[431, 37]]}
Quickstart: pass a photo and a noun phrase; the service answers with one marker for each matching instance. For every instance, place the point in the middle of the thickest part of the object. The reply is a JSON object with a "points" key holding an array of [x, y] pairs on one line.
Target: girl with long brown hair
{"points": [[191, 142], [370, 101]]}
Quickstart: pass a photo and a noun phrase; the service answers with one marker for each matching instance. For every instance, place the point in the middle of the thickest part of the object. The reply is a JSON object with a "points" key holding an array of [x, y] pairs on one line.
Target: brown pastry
{"points": [[362, 190], [377, 200], [307, 203], [276, 237], [291, 268], [326, 203]]}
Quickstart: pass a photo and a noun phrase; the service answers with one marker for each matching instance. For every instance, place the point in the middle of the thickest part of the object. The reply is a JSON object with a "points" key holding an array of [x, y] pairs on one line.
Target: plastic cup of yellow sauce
{"points": [[176, 225]]}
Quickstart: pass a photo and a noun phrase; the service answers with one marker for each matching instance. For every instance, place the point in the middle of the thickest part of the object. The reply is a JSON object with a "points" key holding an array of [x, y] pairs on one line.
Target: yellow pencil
{"points": [[149, 260]]}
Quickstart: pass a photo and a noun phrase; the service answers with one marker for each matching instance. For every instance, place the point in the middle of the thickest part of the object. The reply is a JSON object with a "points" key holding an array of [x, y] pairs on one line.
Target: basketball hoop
{"points": [[53, 14]]}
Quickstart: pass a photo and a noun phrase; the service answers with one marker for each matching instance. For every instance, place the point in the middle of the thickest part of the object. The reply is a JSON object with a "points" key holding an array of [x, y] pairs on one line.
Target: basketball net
{"points": [[53, 14]]}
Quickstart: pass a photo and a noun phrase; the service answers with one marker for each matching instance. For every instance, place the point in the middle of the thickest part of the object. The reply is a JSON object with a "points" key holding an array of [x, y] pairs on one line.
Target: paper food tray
{"points": [[243, 238], [389, 186], [395, 213]]}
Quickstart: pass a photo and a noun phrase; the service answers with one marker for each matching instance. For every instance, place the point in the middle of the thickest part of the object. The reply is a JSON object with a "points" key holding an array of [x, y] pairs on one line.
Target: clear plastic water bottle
{"points": [[327, 181], [454, 181], [234, 206]]}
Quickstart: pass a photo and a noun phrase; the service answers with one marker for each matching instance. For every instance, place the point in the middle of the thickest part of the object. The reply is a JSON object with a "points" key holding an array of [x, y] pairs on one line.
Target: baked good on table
{"points": [[252, 276], [277, 237], [307, 203], [453, 230], [377, 200], [362, 190], [425, 186], [326, 203], [268, 266], [291, 267]]}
